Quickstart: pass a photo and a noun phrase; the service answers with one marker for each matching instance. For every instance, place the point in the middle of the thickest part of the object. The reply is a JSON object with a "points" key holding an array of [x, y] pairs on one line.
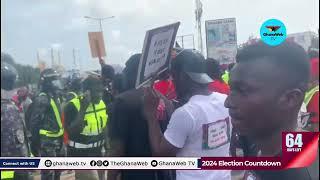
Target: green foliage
{"points": [[27, 75]]}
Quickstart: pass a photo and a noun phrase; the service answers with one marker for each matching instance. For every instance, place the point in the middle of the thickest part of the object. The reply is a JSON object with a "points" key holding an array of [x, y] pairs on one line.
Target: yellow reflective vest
{"points": [[58, 119], [7, 174], [310, 93], [95, 116], [225, 77]]}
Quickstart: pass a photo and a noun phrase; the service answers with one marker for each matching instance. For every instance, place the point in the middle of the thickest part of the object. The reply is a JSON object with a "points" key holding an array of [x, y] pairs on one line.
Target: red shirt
{"points": [[313, 106], [15, 99], [220, 87], [166, 88]]}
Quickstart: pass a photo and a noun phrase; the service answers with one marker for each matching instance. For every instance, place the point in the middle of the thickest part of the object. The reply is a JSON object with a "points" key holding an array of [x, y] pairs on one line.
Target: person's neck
{"points": [[272, 145], [204, 92], [184, 99]]}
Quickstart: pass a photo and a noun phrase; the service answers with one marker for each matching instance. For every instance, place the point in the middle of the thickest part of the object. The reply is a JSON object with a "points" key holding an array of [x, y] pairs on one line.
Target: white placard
{"points": [[156, 52]]}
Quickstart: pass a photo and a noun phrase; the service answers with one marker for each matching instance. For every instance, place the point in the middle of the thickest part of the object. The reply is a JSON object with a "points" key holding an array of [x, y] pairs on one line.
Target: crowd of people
{"points": [[249, 103]]}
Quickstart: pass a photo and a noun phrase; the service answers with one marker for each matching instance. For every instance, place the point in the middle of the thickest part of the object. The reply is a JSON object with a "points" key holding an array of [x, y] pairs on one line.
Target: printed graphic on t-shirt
{"points": [[216, 134]]}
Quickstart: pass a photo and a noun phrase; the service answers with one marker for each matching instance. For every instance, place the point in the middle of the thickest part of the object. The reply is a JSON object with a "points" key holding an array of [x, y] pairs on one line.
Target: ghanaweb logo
{"points": [[273, 32]]}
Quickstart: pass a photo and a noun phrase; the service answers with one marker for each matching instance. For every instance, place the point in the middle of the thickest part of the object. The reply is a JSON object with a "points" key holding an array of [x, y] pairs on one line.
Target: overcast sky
{"points": [[28, 26]]}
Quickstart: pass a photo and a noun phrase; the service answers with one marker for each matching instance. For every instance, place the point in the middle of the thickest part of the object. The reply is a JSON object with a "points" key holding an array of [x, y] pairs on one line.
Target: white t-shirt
{"points": [[201, 128]]}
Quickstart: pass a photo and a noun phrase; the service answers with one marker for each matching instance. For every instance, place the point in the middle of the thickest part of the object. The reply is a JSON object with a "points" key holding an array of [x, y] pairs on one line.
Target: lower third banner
{"points": [[99, 163]]}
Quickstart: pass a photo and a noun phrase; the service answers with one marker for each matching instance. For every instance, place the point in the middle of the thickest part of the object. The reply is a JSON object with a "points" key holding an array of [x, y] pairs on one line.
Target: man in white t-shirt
{"points": [[200, 127]]}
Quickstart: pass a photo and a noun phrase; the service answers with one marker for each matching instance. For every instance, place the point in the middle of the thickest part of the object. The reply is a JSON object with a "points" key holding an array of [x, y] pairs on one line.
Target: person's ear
{"points": [[291, 99]]}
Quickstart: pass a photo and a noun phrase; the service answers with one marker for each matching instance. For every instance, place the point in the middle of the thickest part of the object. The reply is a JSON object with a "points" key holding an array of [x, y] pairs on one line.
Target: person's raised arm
{"points": [[159, 145]]}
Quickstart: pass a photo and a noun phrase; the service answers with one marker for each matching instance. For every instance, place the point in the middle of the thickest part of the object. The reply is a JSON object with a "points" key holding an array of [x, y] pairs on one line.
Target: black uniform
{"points": [[43, 117]]}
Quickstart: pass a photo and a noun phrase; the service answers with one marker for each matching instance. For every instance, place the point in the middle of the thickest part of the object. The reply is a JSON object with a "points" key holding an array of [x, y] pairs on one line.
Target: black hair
{"points": [[288, 56], [213, 69], [130, 72], [91, 81], [107, 71]]}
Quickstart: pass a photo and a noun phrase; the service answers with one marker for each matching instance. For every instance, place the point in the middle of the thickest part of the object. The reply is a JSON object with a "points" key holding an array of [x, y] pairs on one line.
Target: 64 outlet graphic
{"points": [[294, 142], [299, 149]]}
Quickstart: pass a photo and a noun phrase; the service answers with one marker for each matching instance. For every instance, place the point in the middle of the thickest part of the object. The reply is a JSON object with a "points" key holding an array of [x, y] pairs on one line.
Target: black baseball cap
{"points": [[192, 63]]}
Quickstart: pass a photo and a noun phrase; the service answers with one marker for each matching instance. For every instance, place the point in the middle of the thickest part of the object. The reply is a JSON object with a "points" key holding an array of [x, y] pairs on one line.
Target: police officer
{"points": [[13, 136], [45, 121], [85, 121]]}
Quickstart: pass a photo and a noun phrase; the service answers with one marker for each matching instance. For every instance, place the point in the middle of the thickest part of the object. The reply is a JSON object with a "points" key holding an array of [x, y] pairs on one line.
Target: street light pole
{"points": [[99, 19]]}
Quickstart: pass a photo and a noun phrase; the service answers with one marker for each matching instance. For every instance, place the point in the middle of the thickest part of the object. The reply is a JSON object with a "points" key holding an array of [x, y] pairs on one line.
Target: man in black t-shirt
{"points": [[128, 130], [267, 86]]}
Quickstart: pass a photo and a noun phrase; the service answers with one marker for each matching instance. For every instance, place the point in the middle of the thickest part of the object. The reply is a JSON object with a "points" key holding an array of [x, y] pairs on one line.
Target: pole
{"points": [[59, 58], [74, 57], [52, 63], [198, 13], [182, 41], [193, 41], [38, 56], [100, 21], [200, 38]]}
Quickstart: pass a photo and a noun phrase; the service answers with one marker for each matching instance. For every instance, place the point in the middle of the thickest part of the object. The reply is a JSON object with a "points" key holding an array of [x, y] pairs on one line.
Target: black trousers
{"points": [[50, 147], [90, 152]]}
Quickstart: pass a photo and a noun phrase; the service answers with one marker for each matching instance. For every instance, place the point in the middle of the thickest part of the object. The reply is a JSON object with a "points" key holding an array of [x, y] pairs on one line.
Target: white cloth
{"points": [[201, 128]]}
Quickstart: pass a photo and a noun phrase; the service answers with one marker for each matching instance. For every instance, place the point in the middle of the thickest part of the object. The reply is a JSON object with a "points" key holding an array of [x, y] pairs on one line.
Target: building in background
{"points": [[304, 39]]}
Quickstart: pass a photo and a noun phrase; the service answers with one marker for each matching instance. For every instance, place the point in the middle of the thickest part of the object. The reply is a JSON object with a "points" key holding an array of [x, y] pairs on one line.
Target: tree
{"points": [[26, 74]]}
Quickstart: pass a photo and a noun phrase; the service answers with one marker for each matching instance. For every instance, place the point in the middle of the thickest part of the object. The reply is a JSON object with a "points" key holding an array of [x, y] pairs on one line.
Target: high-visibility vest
{"points": [[7, 174], [225, 77], [58, 119], [95, 116], [310, 93]]}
